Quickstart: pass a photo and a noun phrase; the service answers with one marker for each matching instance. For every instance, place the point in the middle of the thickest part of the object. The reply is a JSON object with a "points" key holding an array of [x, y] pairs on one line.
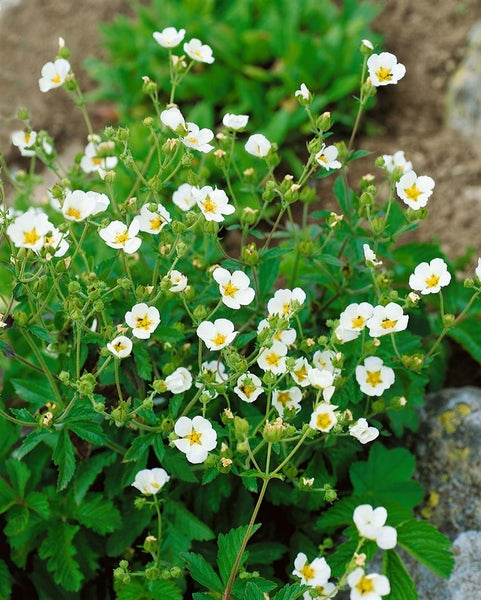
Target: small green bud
{"points": [[64, 377], [274, 431], [155, 183], [149, 87], [178, 227], [20, 318], [314, 146], [122, 134], [241, 428], [330, 495], [378, 225], [187, 159], [148, 121], [86, 384], [200, 312], [468, 282], [124, 283], [175, 572], [366, 48], [250, 254], [449, 320], [413, 362], [152, 573], [98, 306], [306, 248], [323, 122], [211, 227], [159, 386], [74, 287], [248, 216], [23, 114], [123, 564]]}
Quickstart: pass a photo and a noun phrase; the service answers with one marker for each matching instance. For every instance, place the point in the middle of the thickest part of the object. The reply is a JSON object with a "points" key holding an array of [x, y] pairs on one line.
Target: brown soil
{"points": [[429, 38]]}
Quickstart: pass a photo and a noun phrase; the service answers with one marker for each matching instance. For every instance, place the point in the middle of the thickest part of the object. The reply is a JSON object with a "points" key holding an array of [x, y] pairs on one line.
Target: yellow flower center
{"points": [[97, 160], [155, 485], [365, 585], [432, 280], [307, 571], [373, 378], [248, 389], [194, 437], [272, 359], [57, 79], [412, 192], [283, 397], [301, 373], [358, 322], [286, 308], [119, 346], [388, 323], [209, 205], [193, 140], [229, 289], [30, 237], [27, 138], [219, 339], [122, 238], [384, 74], [143, 322], [156, 223], [322, 158], [73, 212], [323, 421]]}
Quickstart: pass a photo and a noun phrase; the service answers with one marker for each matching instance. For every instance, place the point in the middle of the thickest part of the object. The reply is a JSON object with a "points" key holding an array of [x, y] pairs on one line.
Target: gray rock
{"points": [[463, 98]]}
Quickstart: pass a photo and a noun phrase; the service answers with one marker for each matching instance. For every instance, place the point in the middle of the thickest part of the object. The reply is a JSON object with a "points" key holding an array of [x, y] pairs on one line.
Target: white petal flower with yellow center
{"points": [[179, 381], [312, 573], [235, 122], [79, 205], [153, 221], [183, 196], [53, 74], [387, 319], [198, 51], [143, 320], [248, 387], [323, 360], [324, 417], [55, 241], [28, 230], [322, 379], [24, 140], [285, 302], [196, 438], [363, 432], [327, 157], [234, 287], [397, 161], [258, 145], [286, 336], [273, 359], [150, 481], [120, 236], [368, 587], [213, 203], [289, 400], [415, 191], [121, 346], [326, 591], [300, 371], [173, 119], [429, 278], [384, 69], [371, 524], [198, 139], [356, 316], [98, 155], [373, 377], [169, 37], [218, 334], [178, 281]]}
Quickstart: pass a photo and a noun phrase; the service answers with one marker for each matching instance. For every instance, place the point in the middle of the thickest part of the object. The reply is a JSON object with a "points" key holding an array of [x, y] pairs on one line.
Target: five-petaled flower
{"points": [[387, 319], [327, 157], [179, 381], [397, 161], [429, 278], [53, 74], [150, 481], [303, 94], [373, 377], [120, 236], [213, 203], [287, 400], [198, 139], [177, 280], [368, 587], [183, 196], [312, 573], [196, 438], [218, 334], [258, 145], [121, 346], [384, 69], [98, 155], [143, 320], [153, 218], [248, 387], [28, 230], [285, 302], [234, 287], [370, 523], [169, 37], [198, 51], [273, 358], [324, 417], [79, 205], [413, 190]]}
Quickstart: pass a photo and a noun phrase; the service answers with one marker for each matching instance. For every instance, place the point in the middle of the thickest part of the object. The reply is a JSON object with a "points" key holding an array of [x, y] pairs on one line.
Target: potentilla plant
{"points": [[205, 386]]}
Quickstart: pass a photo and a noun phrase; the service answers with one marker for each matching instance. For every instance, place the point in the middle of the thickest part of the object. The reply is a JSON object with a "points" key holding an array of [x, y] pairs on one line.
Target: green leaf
{"points": [[38, 502], [468, 334], [97, 514], [202, 572], [57, 548], [5, 582], [134, 590], [18, 473], [402, 586], [427, 545], [142, 360], [165, 589], [31, 441], [139, 447], [90, 431], [253, 592], [87, 473], [17, 520], [41, 333], [32, 391], [64, 457], [8, 497], [229, 545], [186, 522], [291, 592]]}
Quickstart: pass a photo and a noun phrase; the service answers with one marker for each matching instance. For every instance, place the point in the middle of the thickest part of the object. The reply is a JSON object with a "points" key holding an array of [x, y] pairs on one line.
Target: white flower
{"points": [[248, 387], [362, 432], [290, 399], [327, 157], [429, 278], [477, 271], [173, 118], [55, 240], [234, 287], [177, 280], [153, 222], [235, 122], [286, 336], [143, 320], [413, 190], [218, 334], [373, 377], [179, 381], [23, 140], [53, 74], [169, 37], [370, 523], [258, 145], [183, 196], [273, 359], [322, 359], [150, 481], [384, 69], [387, 319], [370, 257], [397, 161], [212, 372], [28, 230], [368, 587], [213, 203], [303, 93], [326, 591], [312, 573], [285, 301], [79, 205], [97, 155], [196, 438], [322, 379], [355, 316], [199, 51], [121, 346], [300, 371], [198, 139], [323, 417], [121, 237], [346, 335]]}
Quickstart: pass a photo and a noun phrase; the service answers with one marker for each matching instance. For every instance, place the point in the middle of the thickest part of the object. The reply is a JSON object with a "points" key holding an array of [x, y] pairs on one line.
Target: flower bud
{"points": [[152, 573], [274, 431], [200, 312], [241, 428], [250, 254], [23, 114], [323, 122], [150, 544]]}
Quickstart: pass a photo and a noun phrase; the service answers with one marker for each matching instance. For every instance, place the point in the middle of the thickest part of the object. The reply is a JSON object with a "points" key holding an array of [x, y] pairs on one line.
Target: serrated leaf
{"points": [[202, 572], [31, 441], [97, 514], [5, 582], [229, 546], [37, 502], [17, 520], [294, 591], [58, 549], [88, 472], [165, 589], [139, 447], [134, 590], [184, 521], [90, 431], [427, 545], [253, 592], [64, 457], [402, 586], [41, 333], [32, 391], [142, 360], [19, 474]]}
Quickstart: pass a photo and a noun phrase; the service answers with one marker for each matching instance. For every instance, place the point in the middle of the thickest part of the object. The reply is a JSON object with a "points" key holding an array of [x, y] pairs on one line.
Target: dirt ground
{"points": [[429, 38]]}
